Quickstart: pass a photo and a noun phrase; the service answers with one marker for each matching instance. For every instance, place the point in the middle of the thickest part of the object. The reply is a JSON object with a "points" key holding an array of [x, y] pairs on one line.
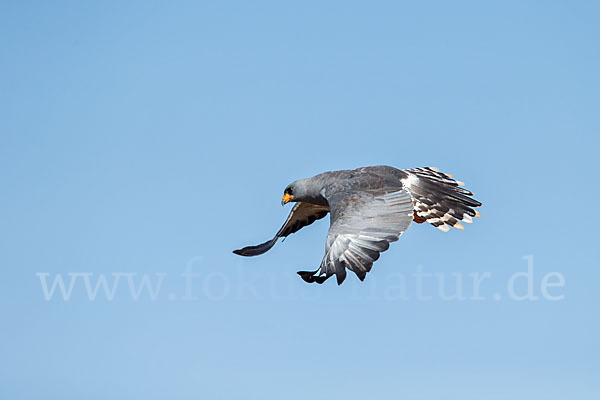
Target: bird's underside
{"points": [[369, 208]]}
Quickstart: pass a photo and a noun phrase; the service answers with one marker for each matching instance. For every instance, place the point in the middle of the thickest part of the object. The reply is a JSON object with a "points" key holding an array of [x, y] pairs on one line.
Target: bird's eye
{"points": [[288, 191]]}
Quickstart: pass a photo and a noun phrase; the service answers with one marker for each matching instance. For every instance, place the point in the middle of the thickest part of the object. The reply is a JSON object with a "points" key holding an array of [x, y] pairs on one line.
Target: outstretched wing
{"points": [[363, 223], [303, 214]]}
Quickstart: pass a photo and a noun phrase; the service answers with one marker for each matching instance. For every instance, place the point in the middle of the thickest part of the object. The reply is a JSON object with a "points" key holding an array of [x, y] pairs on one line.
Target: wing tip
{"points": [[242, 252]]}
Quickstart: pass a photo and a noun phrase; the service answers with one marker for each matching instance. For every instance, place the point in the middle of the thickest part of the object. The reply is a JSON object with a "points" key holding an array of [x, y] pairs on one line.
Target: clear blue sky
{"points": [[140, 137]]}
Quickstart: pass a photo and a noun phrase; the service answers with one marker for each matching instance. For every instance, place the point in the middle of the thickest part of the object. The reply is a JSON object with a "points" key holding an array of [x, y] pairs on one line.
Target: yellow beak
{"points": [[286, 198]]}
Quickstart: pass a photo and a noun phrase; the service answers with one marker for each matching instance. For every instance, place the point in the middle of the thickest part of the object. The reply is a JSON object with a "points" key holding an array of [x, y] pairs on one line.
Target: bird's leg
{"points": [[314, 276]]}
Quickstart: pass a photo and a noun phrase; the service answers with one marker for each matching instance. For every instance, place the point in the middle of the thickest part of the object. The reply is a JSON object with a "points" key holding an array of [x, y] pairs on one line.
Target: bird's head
{"points": [[289, 194], [303, 190]]}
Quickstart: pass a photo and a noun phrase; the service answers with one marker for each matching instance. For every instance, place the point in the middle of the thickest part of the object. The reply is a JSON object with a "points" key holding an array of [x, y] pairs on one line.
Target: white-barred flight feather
{"points": [[438, 199]]}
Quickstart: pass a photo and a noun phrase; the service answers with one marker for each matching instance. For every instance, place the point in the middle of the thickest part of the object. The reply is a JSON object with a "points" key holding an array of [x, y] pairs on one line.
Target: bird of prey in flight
{"points": [[369, 208]]}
